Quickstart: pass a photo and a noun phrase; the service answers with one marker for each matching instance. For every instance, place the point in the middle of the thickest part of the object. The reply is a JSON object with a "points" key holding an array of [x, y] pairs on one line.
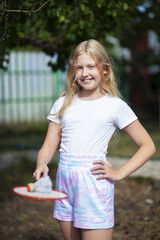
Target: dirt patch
{"points": [[137, 209]]}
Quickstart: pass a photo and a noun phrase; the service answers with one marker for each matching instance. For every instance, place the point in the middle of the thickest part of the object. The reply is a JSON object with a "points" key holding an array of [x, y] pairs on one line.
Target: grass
{"points": [[31, 136], [19, 173], [22, 136], [125, 147]]}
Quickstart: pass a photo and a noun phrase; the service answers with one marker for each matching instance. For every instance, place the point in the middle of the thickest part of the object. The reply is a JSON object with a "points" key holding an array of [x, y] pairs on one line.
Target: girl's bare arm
{"points": [[146, 149], [47, 150]]}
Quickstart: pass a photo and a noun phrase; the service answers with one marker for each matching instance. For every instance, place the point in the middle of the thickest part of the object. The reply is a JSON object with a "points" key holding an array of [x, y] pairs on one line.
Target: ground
{"points": [[137, 209]]}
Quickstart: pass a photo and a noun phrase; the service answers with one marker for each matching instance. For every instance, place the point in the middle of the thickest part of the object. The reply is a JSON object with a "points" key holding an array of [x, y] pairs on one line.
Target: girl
{"points": [[84, 119]]}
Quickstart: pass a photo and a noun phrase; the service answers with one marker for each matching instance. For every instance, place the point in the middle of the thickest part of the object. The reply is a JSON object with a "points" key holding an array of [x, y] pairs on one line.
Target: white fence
{"points": [[29, 88]]}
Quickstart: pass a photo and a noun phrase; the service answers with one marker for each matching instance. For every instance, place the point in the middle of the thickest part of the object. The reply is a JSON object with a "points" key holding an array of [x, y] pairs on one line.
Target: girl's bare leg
{"points": [[97, 234], [69, 231]]}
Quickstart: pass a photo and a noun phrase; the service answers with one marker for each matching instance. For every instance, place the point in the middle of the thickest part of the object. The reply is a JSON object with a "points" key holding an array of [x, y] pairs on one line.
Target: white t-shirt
{"points": [[87, 126]]}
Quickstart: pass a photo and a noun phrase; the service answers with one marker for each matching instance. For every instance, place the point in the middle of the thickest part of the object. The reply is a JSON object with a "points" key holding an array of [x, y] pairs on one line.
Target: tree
{"points": [[60, 25], [144, 57]]}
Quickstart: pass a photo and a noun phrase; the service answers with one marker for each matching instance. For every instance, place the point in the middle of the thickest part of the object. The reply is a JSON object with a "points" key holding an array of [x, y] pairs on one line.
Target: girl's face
{"points": [[87, 74]]}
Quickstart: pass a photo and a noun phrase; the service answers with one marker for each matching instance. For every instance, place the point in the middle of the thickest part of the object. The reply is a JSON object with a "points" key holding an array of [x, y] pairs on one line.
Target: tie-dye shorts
{"points": [[90, 204]]}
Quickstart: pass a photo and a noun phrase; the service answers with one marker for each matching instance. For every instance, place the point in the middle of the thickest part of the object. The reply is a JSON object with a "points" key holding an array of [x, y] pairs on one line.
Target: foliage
{"points": [[143, 78], [60, 25]]}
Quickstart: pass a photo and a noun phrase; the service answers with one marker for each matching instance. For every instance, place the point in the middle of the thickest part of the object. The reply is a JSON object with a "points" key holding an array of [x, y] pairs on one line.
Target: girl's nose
{"points": [[84, 72]]}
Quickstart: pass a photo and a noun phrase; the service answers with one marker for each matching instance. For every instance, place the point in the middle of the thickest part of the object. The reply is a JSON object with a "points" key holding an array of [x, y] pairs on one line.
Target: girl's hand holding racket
{"points": [[105, 170], [41, 169]]}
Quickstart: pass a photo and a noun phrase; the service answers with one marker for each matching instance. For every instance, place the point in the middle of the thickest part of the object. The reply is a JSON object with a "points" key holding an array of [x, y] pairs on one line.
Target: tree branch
{"points": [[25, 11], [2, 14]]}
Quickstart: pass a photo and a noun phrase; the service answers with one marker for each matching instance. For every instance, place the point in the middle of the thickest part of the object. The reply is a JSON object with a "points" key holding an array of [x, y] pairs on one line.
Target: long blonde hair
{"points": [[96, 51]]}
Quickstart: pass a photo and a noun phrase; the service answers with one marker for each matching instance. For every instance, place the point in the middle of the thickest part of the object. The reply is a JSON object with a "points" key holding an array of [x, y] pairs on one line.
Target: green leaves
{"points": [[60, 25], [125, 6], [21, 34]]}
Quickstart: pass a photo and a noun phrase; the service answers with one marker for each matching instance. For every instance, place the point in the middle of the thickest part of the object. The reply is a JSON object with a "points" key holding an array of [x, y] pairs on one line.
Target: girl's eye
{"points": [[91, 66], [78, 68]]}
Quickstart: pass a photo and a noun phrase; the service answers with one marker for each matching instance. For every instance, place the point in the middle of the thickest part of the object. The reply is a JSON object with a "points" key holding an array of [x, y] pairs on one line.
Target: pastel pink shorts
{"points": [[90, 204]]}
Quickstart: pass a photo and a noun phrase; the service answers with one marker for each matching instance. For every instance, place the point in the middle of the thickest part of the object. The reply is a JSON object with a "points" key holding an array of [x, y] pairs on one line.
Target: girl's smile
{"points": [[87, 80]]}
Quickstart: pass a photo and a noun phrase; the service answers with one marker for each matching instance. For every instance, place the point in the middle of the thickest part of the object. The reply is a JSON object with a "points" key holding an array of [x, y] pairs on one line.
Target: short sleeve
{"points": [[124, 115], [54, 110]]}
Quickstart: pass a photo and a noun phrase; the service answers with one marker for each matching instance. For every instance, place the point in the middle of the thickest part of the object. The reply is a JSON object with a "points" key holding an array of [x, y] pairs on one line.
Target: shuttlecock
{"points": [[44, 185]]}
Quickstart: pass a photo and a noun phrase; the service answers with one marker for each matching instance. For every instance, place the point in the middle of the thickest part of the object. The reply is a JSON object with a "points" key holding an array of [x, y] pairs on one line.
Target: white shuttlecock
{"points": [[44, 185]]}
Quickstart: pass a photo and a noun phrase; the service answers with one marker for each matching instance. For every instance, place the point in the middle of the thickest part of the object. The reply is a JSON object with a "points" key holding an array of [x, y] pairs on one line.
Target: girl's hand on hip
{"points": [[41, 169], [105, 170]]}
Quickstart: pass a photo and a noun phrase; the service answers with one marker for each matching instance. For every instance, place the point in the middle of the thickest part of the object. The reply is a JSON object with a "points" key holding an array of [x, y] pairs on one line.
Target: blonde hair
{"points": [[96, 51]]}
